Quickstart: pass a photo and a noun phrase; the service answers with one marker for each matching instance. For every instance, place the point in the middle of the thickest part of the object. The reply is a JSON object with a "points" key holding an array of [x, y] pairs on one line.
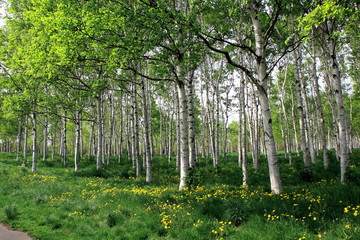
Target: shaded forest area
{"points": [[189, 80]]}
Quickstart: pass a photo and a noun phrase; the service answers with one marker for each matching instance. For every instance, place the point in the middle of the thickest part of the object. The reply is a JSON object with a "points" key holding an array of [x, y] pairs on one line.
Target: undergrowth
{"points": [[57, 203]]}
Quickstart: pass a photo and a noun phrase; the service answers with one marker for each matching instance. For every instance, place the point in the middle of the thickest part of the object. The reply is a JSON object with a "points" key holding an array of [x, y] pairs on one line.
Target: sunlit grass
{"points": [[56, 203]]}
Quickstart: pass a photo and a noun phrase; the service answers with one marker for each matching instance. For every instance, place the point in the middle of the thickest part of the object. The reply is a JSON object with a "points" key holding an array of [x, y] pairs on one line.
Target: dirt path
{"points": [[7, 234]]}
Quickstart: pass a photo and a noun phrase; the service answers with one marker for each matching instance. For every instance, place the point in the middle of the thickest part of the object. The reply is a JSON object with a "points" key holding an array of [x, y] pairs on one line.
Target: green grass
{"points": [[57, 203]]}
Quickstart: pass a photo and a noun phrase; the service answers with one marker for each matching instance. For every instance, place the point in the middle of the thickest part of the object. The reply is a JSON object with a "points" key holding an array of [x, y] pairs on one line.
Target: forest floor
{"points": [[56, 203], [8, 234]]}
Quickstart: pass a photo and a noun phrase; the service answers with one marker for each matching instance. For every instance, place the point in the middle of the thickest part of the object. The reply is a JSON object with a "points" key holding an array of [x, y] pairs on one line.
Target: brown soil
{"points": [[7, 234]]}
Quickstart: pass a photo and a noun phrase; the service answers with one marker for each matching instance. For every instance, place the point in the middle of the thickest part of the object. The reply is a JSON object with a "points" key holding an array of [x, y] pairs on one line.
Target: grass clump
{"points": [[11, 212]]}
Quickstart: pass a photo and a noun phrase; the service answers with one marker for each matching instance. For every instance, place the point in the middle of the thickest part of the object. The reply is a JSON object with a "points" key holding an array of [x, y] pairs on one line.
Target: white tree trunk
{"points": [[300, 107], [336, 81], [192, 146], [184, 136], [320, 112], [63, 139], [34, 140], [18, 140], [25, 141], [274, 169], [45, 137], [99, 152], [148, 157]]}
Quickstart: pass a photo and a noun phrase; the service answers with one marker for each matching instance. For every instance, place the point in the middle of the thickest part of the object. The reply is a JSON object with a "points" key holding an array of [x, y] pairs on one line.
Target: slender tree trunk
{"points": [[184, 141], [350, 140], [254, 130], [148, 157], [134, 129], [77, 140], [242, 130], [192, 146], [122, 126], [53, 142], [18, 140], [91, 139], [293, 117], [99, 152], [34, 141], [320, 112], [111, 124], [178, 139], [274, 169], [46, 123], [170, 137], [307, 116], [103, 129], [300, 107], [63, 140], [336, 81], [81, 147], [282, 101]]}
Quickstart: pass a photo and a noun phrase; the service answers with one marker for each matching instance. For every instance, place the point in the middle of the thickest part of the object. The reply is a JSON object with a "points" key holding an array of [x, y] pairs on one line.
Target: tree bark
{"points": [[282, 101], [34, 141], [320, 112], [192, 146], [274, 169], [134, 130], [336, 81], [18, 140], [46, 122], [63, 140], [300, 107], [183, 118], [148, 157], [77, 140], [99, 152]]}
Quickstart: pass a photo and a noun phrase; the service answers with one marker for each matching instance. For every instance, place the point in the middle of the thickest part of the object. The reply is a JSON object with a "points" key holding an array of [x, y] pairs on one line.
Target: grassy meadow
{"points": [[55, 203]]}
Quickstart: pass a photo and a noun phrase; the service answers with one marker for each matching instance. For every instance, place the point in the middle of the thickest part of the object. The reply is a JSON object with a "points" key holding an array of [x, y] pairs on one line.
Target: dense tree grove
{"points": [[188, 79]]}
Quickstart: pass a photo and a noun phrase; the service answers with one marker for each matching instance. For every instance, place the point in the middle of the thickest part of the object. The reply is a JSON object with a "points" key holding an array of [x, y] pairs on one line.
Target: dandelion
{"points": [[314, 218], [348, 226], [319, 236]]}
